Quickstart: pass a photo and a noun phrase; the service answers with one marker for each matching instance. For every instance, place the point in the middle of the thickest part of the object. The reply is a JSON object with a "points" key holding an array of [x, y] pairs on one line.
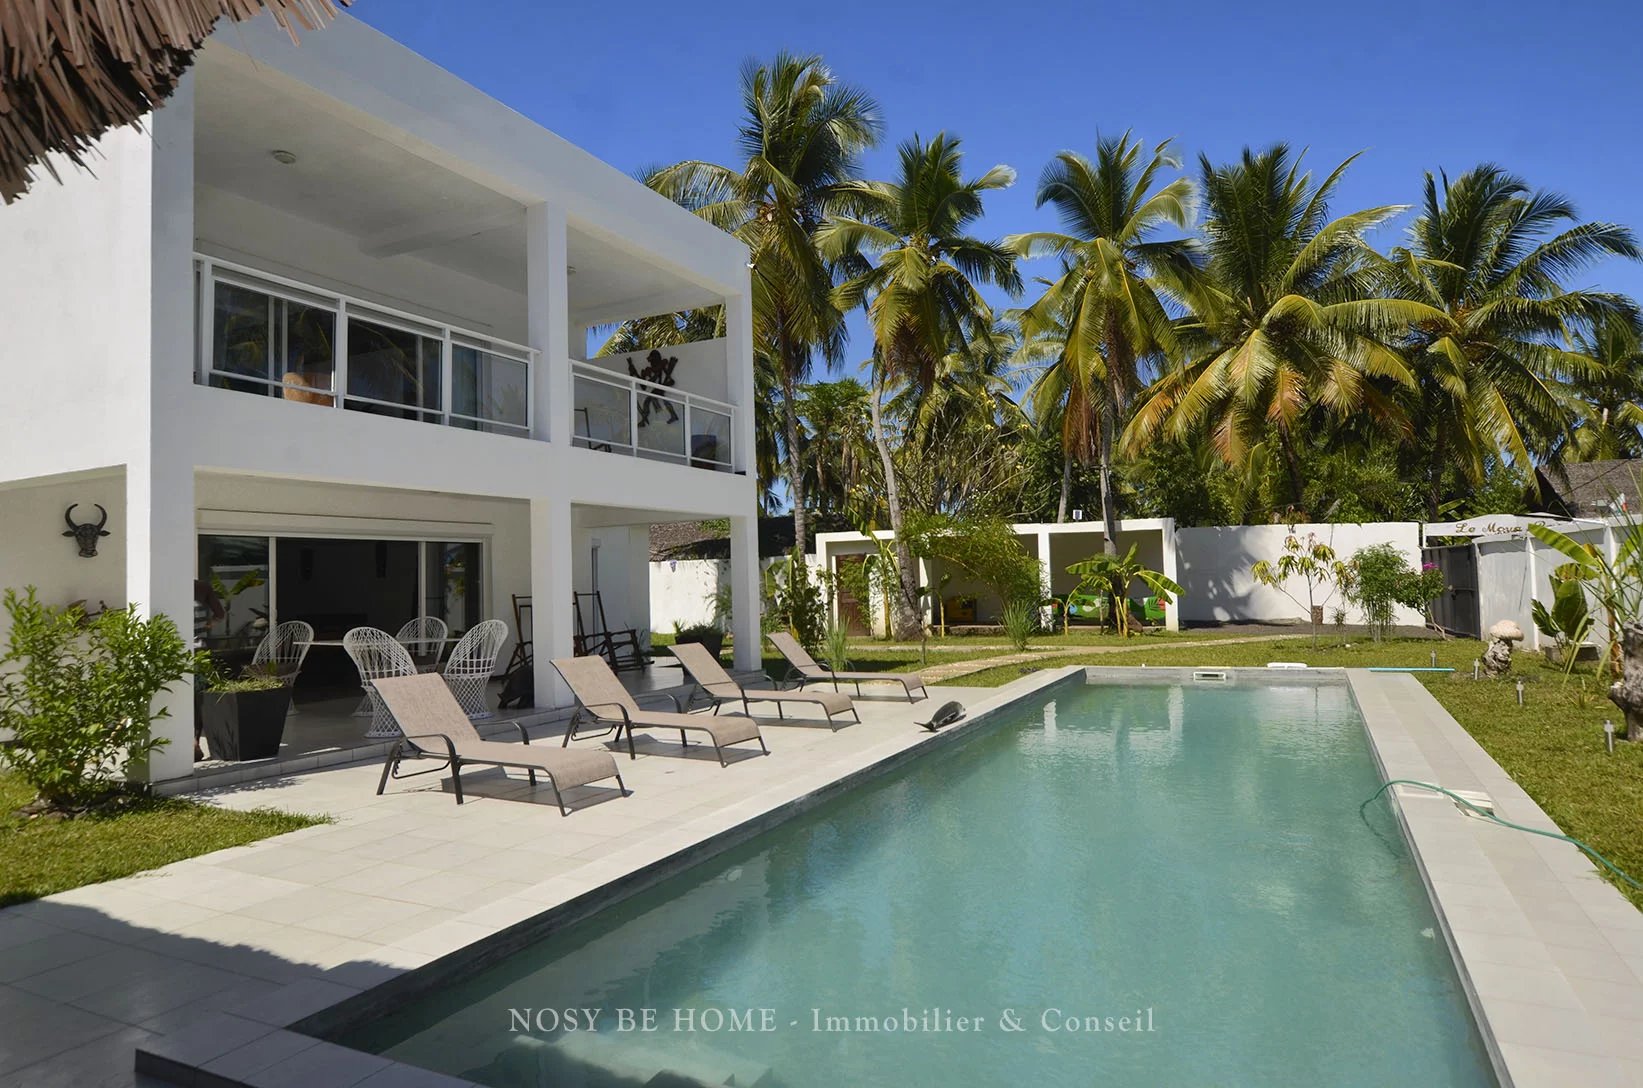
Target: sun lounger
{"points": [[806, 670], [719, 686], [602, 698], [435, 727]]}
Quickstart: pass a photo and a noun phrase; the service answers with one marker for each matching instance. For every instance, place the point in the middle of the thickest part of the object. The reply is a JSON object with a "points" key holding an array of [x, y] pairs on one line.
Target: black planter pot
{"points": [[244, 725], [713, 640]]}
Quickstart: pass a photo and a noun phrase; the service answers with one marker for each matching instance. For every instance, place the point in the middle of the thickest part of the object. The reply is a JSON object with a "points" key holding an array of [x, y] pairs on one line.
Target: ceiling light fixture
{"points": [[282, 156]]}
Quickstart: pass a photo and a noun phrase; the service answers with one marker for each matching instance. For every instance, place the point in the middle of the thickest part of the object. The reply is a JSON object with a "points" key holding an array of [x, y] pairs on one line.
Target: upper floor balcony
{"points": [[341, 265]]}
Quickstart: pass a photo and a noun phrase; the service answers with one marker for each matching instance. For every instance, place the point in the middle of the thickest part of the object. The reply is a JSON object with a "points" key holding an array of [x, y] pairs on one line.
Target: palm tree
{"points": [[802, 134], [1283, 322], [1104, 308], [1609, 396], [1483, 257], [920, 290], [838, 443]]}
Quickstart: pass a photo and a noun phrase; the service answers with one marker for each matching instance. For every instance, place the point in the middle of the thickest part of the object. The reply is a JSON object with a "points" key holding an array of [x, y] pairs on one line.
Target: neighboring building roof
{"points": [[711, 539], [1585, 489]]}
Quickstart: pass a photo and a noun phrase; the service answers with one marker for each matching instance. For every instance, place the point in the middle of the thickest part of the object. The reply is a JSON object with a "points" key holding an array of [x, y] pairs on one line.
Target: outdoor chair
{"points": [[424, 637], [593, 635], [433, 726], [377, 655], [522, 642], [283, 650], [719, 686], [601, 698], [805, 669], [472, 663]]}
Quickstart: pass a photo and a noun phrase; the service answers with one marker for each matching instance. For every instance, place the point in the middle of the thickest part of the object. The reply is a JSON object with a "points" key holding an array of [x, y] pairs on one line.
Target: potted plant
{"points": [[704, 633], [244, 718]]}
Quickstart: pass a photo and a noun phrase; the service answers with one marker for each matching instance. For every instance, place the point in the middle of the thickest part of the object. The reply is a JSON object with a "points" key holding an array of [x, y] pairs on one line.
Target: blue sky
{"points": [[1551, 91]]}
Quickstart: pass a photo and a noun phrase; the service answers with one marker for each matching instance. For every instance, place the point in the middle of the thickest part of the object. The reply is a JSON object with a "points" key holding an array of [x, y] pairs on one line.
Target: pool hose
{"points": [[1486, 814]]}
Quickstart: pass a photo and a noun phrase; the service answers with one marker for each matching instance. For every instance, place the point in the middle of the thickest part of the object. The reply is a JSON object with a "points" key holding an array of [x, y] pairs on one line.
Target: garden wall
{"points": [[1215, 561]]}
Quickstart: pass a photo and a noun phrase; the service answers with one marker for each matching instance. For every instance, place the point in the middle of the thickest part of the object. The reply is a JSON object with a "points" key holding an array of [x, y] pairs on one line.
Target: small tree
{"points": [[1380, 582], [1315, 563], [78, 694], [796, 601]]}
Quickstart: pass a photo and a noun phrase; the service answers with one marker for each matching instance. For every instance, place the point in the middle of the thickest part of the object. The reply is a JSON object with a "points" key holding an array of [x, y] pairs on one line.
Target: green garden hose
{"points": [[1486, 814]]}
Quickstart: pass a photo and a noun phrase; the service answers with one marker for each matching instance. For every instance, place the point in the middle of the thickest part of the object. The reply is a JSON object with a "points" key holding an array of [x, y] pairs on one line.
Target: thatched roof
{"points": [[711, 540], [1584, 489], [70, 70]]}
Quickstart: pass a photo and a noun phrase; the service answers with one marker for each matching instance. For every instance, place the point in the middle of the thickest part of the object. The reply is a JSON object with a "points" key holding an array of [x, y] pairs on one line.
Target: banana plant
{"points": [[1113, 575], [1616, 582], [1569, 620]]}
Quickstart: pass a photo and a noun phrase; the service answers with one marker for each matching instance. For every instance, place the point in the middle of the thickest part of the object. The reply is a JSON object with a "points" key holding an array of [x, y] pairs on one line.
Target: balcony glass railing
{"points": [[276, 337], [616, 413]]}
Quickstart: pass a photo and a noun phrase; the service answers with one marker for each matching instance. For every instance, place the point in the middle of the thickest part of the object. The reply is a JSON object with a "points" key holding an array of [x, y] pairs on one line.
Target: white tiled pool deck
{"points": [[203, 964]]}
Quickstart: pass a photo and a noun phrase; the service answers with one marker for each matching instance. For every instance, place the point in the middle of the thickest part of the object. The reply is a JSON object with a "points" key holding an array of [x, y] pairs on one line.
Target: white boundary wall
{"points": [[681, 590]]}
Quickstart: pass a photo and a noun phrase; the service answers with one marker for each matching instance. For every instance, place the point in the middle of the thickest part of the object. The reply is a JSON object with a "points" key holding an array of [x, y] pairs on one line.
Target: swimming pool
{"points": [[1153, 883]]}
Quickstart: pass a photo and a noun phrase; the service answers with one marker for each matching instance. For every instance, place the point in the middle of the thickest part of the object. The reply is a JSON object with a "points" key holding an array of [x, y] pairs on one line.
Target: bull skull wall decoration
{"points": [[85, 534]]}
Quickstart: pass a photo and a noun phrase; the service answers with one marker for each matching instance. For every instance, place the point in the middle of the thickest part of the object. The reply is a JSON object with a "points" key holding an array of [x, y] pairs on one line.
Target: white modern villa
{"points": [[328, 321]]}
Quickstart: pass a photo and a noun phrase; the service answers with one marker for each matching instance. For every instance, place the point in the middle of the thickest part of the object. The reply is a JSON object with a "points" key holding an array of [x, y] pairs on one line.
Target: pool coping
{"points": [[272, 1042], [1539, 940]]}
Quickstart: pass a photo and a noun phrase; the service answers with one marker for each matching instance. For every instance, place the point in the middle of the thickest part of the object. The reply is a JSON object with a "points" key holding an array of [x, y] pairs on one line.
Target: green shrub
{"points": [[78, 694], [796, 603], [1020, 621], [836, 647], [1380, 574]]}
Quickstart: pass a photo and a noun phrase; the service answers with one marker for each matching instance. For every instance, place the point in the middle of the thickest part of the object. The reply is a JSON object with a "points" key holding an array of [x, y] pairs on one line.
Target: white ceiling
{"points": [[393, 200]]}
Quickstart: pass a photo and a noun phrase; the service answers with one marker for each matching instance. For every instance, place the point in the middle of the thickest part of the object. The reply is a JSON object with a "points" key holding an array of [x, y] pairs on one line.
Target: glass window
{"points": [[231, 592], [393, 372], [490, 390], [274, 346], [454, 585]]}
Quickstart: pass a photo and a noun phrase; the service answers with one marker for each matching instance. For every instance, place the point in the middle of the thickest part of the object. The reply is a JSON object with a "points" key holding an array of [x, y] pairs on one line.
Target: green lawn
{"points": [[42, 856], [1552, 745]]}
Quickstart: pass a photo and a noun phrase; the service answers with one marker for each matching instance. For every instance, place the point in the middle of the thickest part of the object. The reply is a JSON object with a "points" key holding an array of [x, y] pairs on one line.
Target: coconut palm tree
{"points": [[839, 445], [801, 134], [918, 272], [1609, 396], [1103, 307], [1283, 322], [1489, 256]]}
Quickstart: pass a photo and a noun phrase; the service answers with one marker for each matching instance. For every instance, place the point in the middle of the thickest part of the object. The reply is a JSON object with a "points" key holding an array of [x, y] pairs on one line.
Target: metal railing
{"points": [[617, 413], [298, 349]]}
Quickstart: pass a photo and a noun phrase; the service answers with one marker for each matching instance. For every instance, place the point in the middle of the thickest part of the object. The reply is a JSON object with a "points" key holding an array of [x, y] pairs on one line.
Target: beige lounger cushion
{"points": [[423, 704], [801, 660], [597, 688], [715, 681]]}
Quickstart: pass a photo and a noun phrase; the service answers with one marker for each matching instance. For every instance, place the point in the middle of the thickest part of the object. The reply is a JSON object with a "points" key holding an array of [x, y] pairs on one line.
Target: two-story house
{"points": [[322, 333]]}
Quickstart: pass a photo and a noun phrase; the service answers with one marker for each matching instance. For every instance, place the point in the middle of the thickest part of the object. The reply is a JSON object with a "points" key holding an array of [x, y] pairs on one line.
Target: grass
{"points": [[1552, 745], [43, 856]]}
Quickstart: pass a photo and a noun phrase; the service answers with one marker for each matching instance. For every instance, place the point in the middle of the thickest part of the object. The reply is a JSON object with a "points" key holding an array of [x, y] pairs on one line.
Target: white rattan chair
{"points": [[377, 654], [471, 664], [424, 637], [284, 648]]}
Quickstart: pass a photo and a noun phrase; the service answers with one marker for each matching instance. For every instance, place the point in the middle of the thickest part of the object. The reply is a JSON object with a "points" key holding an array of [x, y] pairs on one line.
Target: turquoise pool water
{"points": [[1190, 857]]}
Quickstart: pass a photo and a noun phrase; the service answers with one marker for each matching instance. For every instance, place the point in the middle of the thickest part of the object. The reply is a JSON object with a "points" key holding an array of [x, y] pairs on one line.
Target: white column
{"points": [[160, 556], [1045, 585], [739, 374], [552, 628], [1172, 613], [160, 543], [745, 599], [547, 311]]}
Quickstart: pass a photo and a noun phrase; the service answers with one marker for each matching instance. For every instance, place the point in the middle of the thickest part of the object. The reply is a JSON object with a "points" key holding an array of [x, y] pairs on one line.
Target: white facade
{"points": [[420, 280]]}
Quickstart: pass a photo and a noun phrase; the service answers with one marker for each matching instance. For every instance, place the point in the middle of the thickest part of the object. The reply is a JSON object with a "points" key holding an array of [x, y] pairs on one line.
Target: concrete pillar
{"points": [[746, 603], [547, 312], [1170, 570], [739, 375], [1045, 586], [552, 628], [160, 542]]}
